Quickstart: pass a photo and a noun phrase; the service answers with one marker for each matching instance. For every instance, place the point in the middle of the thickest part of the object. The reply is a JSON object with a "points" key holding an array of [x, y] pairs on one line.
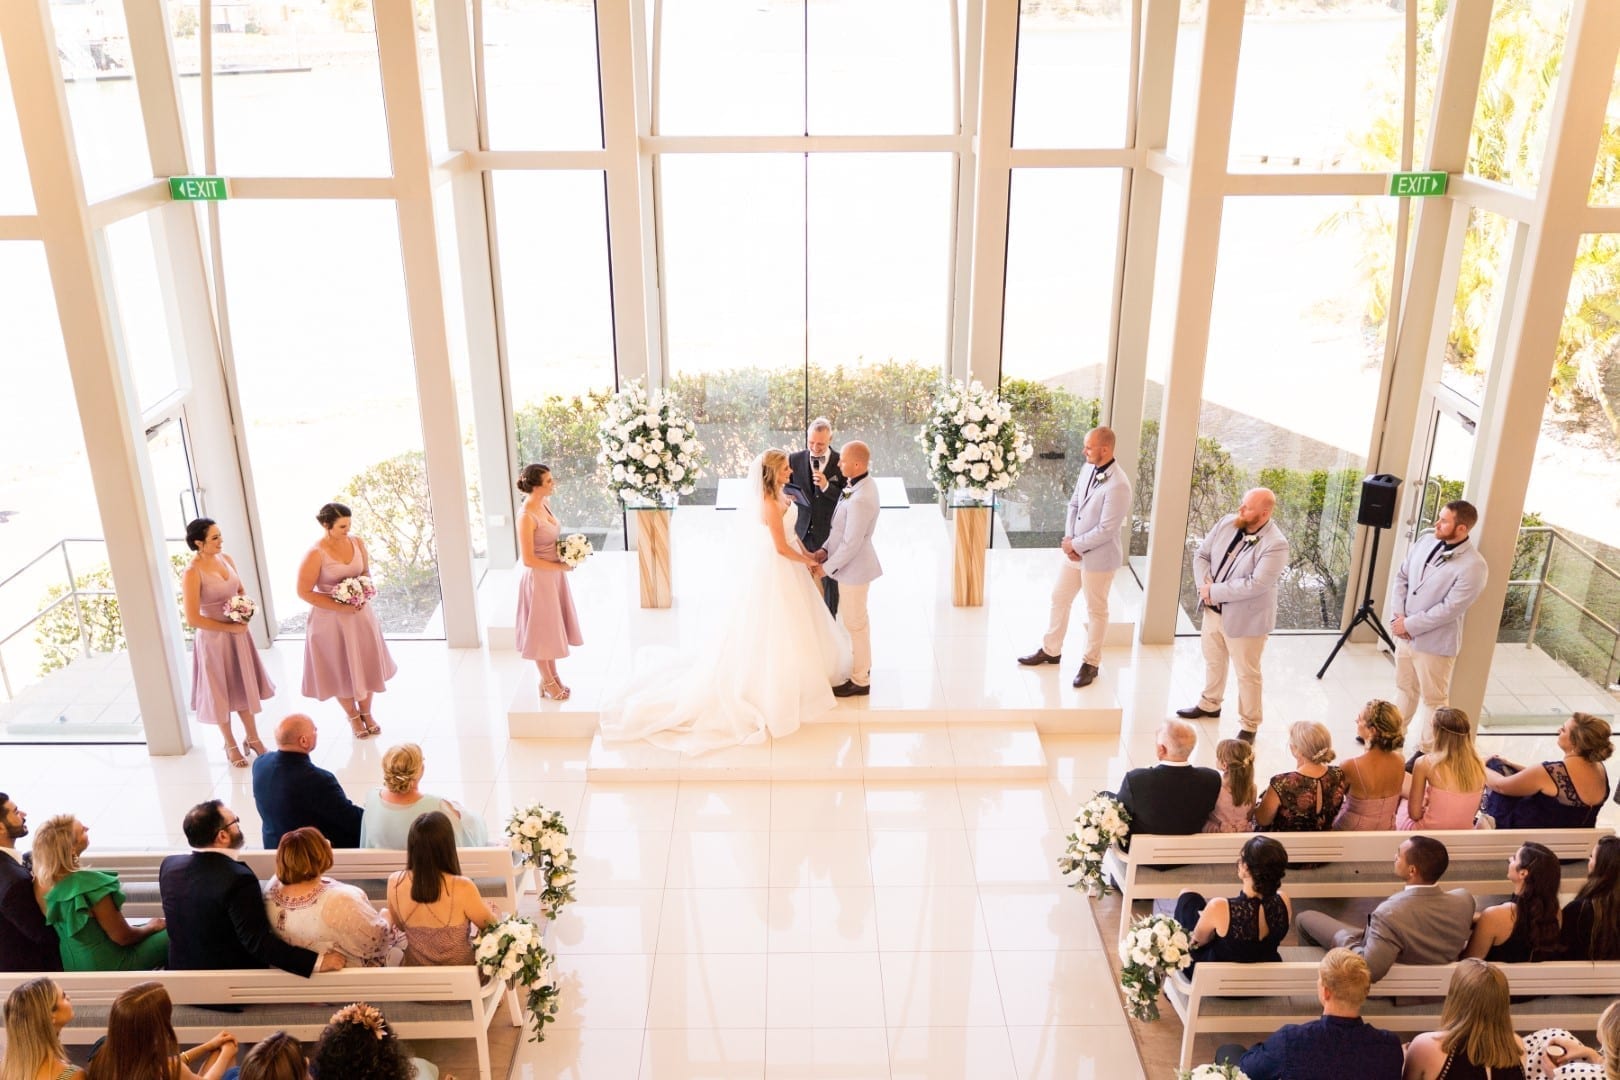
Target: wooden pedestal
{"points": [[652, 555], [967, 565]]}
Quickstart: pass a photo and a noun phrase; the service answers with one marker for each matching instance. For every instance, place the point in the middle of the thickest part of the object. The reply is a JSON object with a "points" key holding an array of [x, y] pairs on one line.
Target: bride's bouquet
{"points": [[1156, 946], [650, 449], [1098, 825], [512, 951], [574, 549], [239, 609], [354, 591], [974, 445]]}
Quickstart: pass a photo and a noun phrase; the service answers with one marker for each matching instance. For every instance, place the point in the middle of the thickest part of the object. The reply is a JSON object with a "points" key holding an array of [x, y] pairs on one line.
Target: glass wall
{"points": [[92, 44], [540, 75], [1478, 314], [144, 307], [1070, 54], [1522, 55], [16, 195]]}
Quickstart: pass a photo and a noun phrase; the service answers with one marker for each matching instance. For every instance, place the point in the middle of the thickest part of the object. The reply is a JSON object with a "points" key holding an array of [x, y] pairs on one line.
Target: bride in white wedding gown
{"points": [[772, 656]]}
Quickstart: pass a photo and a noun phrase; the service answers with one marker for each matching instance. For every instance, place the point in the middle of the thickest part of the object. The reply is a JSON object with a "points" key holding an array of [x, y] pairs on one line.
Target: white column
{"points": [[987, 293], [632, 243], [435, 384], [113, 437], [970, 56]]}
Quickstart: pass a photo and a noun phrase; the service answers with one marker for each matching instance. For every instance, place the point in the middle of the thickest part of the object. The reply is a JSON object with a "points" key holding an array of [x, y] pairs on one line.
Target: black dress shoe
{"points": [[1085, 676], [1039, 656], [851, 689], [1193, 712], [1246, 735]]}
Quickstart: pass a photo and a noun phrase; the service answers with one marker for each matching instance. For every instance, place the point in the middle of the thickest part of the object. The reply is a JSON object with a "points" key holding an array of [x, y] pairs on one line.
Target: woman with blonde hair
{"points": [[36, 1013], [84, 906], [1376, 775], [1476, 1039], [1555, 1054], [1308, 798], [1563, 794], [1234, 806], [1448, 780], [392, 808]]}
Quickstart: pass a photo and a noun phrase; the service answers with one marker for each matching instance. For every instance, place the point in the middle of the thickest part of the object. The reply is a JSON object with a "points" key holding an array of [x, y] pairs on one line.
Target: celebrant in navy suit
{"points": [[815, 487]]}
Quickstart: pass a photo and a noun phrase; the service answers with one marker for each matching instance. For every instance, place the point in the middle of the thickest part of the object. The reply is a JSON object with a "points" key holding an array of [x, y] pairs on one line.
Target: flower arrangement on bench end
{"points": [[1156, 946], [540, 837], [1100, 823], [511, 951], [1212, 1072]]}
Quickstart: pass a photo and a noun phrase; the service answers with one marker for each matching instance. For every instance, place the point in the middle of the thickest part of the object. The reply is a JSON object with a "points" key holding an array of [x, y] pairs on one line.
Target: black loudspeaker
{"points": [[1379, 496]]}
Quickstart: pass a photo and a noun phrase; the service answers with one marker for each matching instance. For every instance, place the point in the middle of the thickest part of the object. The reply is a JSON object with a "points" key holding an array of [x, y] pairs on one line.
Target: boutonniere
{"points": [[1443, 558], [846, 493], [1251, 538], [1100, 478]]}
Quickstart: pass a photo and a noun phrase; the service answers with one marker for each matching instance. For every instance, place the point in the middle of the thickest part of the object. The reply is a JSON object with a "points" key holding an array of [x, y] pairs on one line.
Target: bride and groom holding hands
{"points": [[774, 655]]}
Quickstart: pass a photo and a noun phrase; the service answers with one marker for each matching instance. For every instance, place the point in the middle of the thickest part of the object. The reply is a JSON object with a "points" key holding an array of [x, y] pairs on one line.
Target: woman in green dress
{"points": [[82, 906]]}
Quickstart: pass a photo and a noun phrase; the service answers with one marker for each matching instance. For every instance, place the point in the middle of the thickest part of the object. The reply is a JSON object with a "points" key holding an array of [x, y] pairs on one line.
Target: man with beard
{"points": [[27, 943]]}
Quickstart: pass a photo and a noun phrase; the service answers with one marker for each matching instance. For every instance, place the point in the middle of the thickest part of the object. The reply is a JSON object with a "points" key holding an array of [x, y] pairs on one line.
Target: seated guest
{"points": [[1590, 927], [1374, 776], [391, 808], [1563, 794], [27, 943], [1247, 928], [1525, 927], [1174, 797], [358, 1042], [1338, 1045], [1476, 1039], [292, 791], [1448, 780], [277, 1056], [1421, 924], [141, 1043], [438, 909], [1555, 1054], [213, 902], [36, 1013], [318, 913], [83, 906], [1308, 798], [1234, 806]]}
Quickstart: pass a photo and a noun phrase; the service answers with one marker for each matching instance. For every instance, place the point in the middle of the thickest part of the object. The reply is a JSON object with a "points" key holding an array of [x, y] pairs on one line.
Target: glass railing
{"points": [[1564, 598]]}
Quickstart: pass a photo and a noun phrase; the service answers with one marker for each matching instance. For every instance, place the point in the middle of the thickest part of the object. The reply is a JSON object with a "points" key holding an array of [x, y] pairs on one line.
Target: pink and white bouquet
{"points": [[239, 609], [354, 591], [574, 549]]}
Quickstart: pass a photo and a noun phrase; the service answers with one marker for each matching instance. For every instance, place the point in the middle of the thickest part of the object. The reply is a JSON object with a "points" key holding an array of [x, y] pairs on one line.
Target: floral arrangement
{"points": [[354, 591], [512, 951], [574, 549], [649, 448], [1212, 1072], [974, 445], [1099, 823], [1155, 946], [239, 609], [541, 837]]}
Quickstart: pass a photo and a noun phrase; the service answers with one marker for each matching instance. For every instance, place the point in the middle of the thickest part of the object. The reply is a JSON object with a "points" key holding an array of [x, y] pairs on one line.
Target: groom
{"points": [[848, 559]]}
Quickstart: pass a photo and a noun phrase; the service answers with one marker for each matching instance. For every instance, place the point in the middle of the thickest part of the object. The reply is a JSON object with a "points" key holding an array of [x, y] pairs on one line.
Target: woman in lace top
{"points": [[1375, 776], [437, 908], [392, 808], [1563, 794], [1309, 798], [1248, 927], [317, 913], [1234, 806]]}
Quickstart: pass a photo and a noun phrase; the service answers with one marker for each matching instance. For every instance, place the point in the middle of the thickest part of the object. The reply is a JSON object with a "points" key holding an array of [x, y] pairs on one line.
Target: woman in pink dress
{"points": [[1448, 781], [344, 653], [226, 673], [1377, 775], [546, 623]]}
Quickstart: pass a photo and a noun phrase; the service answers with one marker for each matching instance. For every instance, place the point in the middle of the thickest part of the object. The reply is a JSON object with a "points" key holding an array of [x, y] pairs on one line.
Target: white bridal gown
{"points": [[768, 663]]}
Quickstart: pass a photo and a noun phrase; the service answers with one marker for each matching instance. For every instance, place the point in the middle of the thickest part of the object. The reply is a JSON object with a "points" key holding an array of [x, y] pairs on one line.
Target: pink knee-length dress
{"points": [[546, 623], [344, 653], [227, 675]]}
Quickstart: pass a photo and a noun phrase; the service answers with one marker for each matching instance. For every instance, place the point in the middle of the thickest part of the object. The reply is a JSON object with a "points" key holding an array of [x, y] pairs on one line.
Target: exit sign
{"points": [[1420, 185], [199, 188]]}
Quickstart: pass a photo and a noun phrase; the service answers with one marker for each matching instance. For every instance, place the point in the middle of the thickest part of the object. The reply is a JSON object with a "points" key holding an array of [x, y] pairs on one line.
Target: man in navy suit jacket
{"points": [[27, 943], [816, 485], [292, 792]]}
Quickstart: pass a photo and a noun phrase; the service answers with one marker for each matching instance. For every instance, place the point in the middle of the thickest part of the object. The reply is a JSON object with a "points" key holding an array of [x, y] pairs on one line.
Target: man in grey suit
{"points": [[848, 558], [1439, 579], [1091, 553], [1421, 924], [1237, 568]]}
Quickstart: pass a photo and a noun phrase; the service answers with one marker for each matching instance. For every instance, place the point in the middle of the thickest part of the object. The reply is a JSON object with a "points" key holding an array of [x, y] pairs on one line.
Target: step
{"points": [[529, 717]]}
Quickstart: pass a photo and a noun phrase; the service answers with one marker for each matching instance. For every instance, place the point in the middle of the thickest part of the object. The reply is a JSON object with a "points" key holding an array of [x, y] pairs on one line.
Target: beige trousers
{"points": [[852, 610], [1071, 581], [1421, 676], [1244, 655]]}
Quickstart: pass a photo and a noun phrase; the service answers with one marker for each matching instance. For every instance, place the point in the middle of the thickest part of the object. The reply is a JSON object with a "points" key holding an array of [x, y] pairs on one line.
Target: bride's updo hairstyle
{"points": [[769, 464], [532, 477]]}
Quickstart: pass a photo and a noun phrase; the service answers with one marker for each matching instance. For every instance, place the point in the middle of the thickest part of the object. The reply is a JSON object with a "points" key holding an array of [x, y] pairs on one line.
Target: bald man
{"points": [[1237, 568], [291, 791]]}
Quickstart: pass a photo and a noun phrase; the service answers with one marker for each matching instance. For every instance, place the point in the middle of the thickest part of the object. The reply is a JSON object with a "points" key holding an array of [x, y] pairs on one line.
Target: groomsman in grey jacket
{"points": [[1435, 585], [1091, 553], [1237, 568]]}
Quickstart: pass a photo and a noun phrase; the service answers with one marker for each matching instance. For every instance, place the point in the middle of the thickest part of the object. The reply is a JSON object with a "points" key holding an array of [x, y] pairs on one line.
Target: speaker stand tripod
{"points": [[1364, 614]]}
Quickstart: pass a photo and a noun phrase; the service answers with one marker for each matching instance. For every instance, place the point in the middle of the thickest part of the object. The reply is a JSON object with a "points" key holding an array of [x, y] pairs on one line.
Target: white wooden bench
{"points": [[1357, 864], [1256, 999], [418, 1002], [499, 878]]}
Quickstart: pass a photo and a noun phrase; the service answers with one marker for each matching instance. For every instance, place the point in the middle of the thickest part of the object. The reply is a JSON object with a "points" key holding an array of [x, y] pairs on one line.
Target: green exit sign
{"points": [[199, 188], [1419, 185]]}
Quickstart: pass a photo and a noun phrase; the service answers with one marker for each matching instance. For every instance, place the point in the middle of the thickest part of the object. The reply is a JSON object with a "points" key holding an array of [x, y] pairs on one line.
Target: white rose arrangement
{"points": [[540, 837], [1212, 1072], [574, 549], [1098, 825], [650, 450], [512, 951], [974, 445], [1155, 946]]}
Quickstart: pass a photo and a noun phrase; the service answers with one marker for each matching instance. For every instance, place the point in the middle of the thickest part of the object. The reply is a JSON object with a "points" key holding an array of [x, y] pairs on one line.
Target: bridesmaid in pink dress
{"points": [[546, 623], [344, 653], [226, 673]]}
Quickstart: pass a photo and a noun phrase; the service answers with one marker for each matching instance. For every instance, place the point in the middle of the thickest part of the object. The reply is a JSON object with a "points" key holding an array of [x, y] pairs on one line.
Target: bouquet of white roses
{"points": [[354, 591], [1212, 1072], [649, 448], [239, 609], [574, 549], [541, 837], [512, 951], [1155, 946], [974, 445], [1099, 823]]}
